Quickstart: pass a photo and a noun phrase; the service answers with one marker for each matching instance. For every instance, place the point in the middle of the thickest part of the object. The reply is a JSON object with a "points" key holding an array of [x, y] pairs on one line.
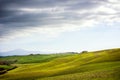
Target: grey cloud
{"points": [[12, 18]]}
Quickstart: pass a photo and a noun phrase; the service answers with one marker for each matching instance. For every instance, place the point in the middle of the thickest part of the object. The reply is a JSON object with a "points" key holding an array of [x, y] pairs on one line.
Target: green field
{"points": [[98, 65]]}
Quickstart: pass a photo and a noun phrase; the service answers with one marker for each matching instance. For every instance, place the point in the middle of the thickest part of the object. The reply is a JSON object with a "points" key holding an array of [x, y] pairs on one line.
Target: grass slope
{"points": [[38, 58], [98, 65]]}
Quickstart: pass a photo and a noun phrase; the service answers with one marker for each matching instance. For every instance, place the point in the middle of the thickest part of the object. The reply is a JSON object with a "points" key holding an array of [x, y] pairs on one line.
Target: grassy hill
{"points": [[98, 65], [34, 58]]}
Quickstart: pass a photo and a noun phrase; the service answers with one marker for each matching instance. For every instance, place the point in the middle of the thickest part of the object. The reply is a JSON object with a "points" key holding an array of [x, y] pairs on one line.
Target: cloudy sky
{"points": [[59, 25]]}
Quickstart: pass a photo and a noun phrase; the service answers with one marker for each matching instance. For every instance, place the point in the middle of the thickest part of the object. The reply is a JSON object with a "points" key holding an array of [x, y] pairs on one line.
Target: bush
{"points": [[84, 51], [7, 62], [4, 63], [2, 72]]}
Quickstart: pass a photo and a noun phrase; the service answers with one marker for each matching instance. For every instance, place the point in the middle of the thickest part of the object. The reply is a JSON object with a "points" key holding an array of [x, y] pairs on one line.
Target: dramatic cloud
{"points": [[20, 17]]}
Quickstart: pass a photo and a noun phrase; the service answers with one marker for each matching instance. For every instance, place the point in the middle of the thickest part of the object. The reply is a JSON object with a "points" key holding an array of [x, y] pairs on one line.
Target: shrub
{"points": [[2, 72], [84, 51], [4, 63]]}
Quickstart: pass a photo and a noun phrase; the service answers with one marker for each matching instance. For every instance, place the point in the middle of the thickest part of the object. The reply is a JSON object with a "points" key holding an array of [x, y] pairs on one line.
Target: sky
{"points": [[59, 25]]}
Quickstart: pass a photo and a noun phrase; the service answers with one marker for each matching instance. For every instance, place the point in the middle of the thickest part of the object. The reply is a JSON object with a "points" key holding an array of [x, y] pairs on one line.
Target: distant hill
{"points": [[20, 52]]}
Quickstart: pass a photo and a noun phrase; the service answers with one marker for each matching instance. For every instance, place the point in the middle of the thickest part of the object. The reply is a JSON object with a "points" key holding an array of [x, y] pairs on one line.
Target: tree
{"points": [[84, 51]]}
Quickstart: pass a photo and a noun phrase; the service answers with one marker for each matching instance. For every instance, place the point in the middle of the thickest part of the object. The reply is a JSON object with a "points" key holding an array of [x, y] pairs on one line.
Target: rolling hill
{"points": [[97, 65]]}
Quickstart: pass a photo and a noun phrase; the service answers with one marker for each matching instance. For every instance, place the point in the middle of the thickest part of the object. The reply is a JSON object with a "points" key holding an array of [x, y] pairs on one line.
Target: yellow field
{"points": [[99, 65]]}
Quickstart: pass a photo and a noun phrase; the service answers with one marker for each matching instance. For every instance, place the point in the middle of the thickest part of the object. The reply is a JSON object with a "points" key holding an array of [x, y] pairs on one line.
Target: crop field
{"points": [[97, 65]]}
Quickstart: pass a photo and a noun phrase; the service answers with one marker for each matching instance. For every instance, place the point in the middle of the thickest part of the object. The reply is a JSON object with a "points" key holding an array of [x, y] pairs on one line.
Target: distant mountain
{"points": [[20, 52]]}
